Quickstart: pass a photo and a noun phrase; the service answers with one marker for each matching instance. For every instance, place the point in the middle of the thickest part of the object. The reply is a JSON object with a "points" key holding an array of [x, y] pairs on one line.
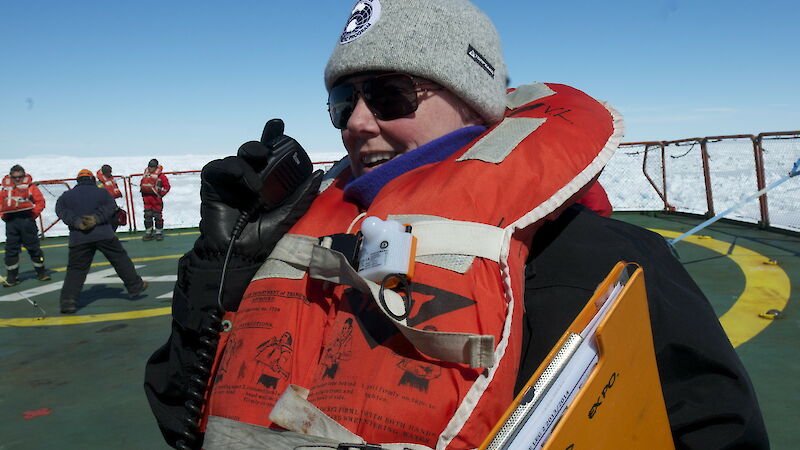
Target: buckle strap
{"points": [[329, 265]]}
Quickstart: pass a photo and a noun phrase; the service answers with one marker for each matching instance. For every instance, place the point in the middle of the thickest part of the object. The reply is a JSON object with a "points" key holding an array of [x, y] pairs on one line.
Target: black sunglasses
{"points": [[389, 96]]}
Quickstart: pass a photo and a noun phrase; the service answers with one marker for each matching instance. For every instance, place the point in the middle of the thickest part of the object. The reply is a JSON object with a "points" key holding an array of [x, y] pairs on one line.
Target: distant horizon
{"points": [[329, 155]]}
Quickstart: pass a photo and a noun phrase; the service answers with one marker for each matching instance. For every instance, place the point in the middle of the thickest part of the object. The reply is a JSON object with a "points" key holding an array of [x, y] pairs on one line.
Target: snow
{"points": [[732, 177], [732, 169]]}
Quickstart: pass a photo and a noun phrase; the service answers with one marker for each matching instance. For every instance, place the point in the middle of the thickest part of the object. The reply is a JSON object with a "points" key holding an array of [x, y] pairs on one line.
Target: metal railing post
{"points": [[661, 195], [758, 154], [41, 227], [130, 199], [707, 177], [667, 206]]}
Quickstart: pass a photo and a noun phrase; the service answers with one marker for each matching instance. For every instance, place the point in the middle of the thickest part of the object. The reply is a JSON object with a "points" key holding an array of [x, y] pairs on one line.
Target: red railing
{"points": [[665, 161], [678, 170], [127, 184], [42, 226]]}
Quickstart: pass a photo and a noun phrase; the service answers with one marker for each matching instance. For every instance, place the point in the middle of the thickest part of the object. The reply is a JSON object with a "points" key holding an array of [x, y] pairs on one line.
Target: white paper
{"points": [[537, 429]]}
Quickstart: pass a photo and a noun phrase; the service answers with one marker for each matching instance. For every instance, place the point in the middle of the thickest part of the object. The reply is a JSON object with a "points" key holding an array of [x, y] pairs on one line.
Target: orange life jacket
{"points": [[109, 183], [149, 183], [16, 197], [434, 365]]}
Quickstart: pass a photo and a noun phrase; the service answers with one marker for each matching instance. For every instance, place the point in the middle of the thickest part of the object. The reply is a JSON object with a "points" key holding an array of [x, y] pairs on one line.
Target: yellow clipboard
{"points": [[620, 405]]}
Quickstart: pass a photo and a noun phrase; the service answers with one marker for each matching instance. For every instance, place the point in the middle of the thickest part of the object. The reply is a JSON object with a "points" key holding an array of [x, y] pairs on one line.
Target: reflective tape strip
{"points": [[502, 140], [527, 93], [454, 263]]}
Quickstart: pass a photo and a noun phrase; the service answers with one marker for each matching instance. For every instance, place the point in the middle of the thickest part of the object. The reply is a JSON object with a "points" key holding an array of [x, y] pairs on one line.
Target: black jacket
{"points": [[709, 397], [86, 199]]}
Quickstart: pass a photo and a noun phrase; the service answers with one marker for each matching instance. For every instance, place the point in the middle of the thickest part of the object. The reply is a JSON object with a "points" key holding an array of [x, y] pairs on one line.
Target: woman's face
{"points": [[371, 142]]}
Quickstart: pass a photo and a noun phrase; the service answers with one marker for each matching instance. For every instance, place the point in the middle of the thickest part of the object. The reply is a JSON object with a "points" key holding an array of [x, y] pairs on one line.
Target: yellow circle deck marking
{"points": [[89, 318], [765, 287]]}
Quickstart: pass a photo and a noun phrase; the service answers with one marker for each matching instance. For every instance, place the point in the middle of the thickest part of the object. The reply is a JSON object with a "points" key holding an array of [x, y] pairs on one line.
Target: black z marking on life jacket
{"points": [[443, 302], [602, 395], [377, 328], [525, 108], [559, 114]]}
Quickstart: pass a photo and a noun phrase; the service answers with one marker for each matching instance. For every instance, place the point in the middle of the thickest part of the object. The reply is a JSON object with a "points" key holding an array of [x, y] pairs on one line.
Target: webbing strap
{"points": [[329, 265], [295, 413], [458, 238]]}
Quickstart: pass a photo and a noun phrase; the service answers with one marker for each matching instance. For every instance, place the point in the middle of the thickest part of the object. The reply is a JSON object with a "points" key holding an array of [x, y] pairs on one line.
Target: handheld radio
{"points": [[287, 168]]}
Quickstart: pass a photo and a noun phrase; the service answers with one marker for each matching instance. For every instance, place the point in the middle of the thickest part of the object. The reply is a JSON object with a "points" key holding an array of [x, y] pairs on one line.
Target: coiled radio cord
{"points": [[209, 339]]}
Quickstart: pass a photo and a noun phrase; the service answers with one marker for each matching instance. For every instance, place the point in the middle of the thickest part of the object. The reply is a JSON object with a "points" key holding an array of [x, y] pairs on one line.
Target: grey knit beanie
{"points": [[450, 42]]}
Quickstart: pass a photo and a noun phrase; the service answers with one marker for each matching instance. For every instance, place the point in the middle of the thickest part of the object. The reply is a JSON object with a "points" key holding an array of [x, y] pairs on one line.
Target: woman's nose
{"points": [[362, 119]]}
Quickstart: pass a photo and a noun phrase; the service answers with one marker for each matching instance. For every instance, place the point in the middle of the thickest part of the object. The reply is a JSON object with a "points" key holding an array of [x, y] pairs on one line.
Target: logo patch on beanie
{"points": [[365, 14], [478, 58]]}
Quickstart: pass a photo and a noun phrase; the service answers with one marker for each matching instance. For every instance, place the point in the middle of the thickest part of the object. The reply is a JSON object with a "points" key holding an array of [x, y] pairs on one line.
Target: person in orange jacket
{"points": [[105, 180], [154, 186], [21, 202]]}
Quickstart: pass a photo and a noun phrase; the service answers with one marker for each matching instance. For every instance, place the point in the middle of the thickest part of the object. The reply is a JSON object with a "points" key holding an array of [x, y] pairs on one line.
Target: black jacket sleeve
{"points": [[177, 373], [709, 397], [106, 207], [65, 213]]}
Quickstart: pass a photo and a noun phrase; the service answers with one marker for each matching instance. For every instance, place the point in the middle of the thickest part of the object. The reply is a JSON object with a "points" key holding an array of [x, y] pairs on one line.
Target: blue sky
{"points": [[90, 78]]}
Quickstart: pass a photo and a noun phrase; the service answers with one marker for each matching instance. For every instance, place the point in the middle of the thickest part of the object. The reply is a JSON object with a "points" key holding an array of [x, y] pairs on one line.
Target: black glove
{"points": [[87, 223], [231, 185]]}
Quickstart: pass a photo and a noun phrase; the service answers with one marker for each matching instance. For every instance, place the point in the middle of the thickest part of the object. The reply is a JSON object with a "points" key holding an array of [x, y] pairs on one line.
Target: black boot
{"points": [[41, 274], [136, 293], [148, 235], [11, 278], [68, 306]]}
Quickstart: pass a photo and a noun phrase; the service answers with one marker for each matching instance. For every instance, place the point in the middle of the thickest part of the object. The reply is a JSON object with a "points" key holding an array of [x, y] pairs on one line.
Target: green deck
{"points": [[80, 385]]}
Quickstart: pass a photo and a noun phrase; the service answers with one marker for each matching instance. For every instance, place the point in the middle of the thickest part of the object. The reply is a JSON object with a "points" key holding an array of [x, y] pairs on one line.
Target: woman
{"points": [[417, 89]]}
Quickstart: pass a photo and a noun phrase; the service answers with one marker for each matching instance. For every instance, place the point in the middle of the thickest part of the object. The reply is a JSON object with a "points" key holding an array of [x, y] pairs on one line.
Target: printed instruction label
{"points": [[372, 260]]}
